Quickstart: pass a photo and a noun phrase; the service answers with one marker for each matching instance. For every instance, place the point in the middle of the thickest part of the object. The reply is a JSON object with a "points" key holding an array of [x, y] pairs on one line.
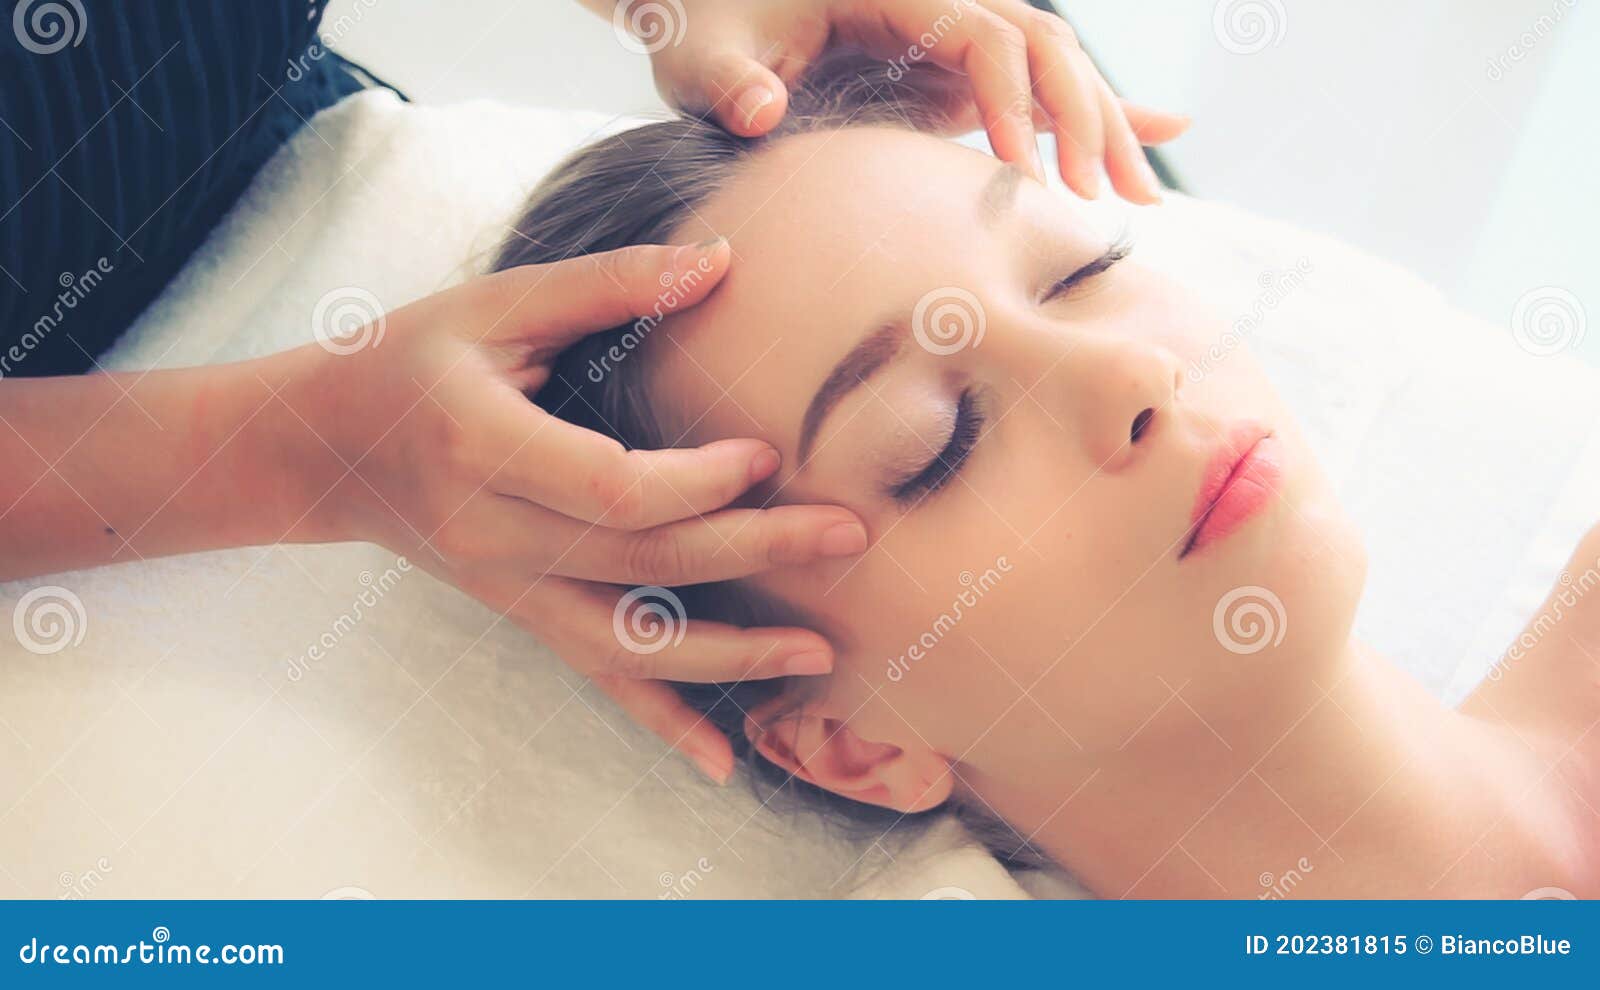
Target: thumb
{"points": [[744, 95], [751, 99], [552, 305]]}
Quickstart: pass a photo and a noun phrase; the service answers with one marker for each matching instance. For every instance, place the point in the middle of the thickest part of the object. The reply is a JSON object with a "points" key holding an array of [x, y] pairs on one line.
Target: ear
{"points": [[828, 753]]}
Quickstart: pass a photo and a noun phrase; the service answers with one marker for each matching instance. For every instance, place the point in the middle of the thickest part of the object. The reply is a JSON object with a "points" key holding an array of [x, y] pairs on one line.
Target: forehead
{"points": [[830, 232], [829, 199]]}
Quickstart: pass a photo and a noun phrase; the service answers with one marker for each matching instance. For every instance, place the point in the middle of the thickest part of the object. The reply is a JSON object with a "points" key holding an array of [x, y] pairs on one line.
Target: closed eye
{"points": [[1110, 256], [963, 437]]}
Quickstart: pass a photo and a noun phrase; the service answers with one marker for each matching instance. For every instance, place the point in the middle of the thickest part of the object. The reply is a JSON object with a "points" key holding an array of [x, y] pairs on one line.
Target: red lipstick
{"points": [[1239, 481]]}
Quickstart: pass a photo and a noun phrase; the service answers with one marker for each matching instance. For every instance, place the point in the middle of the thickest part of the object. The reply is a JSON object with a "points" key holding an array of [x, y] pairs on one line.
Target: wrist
{"points": [[290, 459]]}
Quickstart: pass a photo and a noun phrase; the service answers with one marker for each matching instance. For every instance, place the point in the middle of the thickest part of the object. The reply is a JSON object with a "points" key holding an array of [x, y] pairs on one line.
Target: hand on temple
{"points": [[541, 519], [417, 433]]}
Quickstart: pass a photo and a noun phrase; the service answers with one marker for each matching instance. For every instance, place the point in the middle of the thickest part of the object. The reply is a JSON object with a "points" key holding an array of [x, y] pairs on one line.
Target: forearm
{"points": [[111, 467], [602, 7]]}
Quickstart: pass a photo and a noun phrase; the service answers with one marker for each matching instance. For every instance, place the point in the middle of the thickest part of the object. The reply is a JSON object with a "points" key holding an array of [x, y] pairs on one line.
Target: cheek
{"points": [[921, 625], [967, 603], [1111, 646], [1089, 644]]}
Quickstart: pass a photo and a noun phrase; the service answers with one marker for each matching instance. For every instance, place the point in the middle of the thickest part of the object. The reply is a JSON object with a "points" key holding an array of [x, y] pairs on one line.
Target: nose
{"points": [[1121, 392]]}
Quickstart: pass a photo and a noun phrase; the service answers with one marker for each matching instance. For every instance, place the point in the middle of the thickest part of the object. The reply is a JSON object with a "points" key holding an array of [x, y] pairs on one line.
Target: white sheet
{"points": [[436, 752]]}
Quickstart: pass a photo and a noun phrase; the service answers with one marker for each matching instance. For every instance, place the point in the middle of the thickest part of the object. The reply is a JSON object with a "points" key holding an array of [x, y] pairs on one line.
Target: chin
{"points": [[1289, 579], [1317, 565]]}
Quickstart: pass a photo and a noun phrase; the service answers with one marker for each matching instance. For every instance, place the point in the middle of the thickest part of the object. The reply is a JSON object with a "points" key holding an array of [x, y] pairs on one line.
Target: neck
{"points": [[1363, 785]]}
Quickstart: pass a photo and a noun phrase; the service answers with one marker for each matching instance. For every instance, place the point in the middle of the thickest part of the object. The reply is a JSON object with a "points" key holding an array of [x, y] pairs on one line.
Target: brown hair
{"points": [[639, 187]]}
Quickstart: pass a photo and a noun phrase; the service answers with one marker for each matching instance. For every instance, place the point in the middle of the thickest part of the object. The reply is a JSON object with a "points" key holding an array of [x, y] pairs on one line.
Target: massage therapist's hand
{"points": [[735, 57], [415, 433], [450, 464]]}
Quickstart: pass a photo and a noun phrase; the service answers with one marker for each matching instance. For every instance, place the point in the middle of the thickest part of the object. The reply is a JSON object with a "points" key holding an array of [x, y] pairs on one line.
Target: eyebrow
{"points": [[1000, 192], [884, 344], [865, 359]]}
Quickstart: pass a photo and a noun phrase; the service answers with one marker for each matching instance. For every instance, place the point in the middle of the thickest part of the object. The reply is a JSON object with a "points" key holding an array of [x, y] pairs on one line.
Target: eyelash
{"points": [[1118, 250], [945, 464]]}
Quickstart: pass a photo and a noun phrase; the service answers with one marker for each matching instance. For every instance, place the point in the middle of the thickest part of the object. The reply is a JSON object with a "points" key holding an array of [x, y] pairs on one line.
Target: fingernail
{"points": [[751, 101], [691, 255], [842, 540], [807, 664], [763, 464], [714, 766]]}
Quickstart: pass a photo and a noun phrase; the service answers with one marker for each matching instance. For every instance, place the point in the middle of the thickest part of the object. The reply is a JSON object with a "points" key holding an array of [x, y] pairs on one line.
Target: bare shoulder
{"points": [[1553, 665], [1576, 595]]}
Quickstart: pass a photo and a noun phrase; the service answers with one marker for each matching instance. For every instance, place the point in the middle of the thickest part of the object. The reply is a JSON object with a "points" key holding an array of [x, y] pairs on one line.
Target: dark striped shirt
{"points": [[127, 130]]}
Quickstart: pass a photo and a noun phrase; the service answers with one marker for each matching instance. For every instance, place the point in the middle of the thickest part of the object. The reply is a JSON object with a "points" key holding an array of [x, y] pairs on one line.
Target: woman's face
{"points": [[928, 339]]}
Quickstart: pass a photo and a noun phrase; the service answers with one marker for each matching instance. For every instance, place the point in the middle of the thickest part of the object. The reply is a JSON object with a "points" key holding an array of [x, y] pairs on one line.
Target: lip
{"points": [[1239, 482]]}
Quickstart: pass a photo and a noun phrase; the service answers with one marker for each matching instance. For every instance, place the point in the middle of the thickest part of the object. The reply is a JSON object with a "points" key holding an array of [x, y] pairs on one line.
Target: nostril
{"points": [[1141, 422]]}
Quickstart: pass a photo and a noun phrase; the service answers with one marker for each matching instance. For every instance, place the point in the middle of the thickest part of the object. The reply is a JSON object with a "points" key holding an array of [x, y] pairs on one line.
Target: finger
{"points": [[530, 454], [553, 305], [725, 545], [646, 634], [722, 546], [993, 53], [1065, 84], [745, 96], [659, 708], [1126, 166], [1153, 126]]}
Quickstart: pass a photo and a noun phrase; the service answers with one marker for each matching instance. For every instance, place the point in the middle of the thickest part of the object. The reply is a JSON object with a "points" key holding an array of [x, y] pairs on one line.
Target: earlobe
{"points": [[828, 753]]}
